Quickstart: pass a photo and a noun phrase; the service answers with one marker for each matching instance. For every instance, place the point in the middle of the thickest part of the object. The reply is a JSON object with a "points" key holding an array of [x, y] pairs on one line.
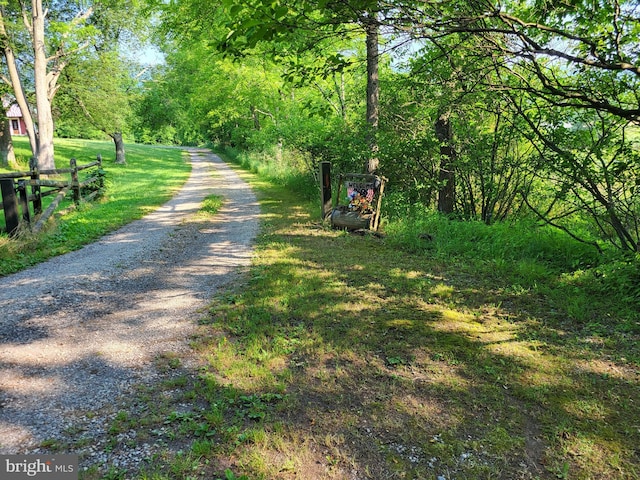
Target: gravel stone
{"points": [[80, 332]]}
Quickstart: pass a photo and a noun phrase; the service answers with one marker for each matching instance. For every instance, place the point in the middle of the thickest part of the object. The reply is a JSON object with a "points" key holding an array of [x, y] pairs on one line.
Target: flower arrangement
{"points": [[359, 203]]}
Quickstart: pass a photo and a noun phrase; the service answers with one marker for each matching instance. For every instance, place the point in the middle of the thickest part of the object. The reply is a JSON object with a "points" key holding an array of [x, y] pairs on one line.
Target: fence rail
{"points": [[16, 199]]}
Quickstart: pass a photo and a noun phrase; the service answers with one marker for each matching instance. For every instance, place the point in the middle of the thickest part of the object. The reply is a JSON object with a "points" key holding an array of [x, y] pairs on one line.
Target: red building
{"points": [[16, 123]]}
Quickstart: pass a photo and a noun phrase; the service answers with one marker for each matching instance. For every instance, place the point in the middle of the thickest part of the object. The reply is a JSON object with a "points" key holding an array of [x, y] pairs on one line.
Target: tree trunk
{"points": [[44, 91], [120, 156], [342, 97], [446, 192], [7, 156], [255, 117], [18, 91], [373, 93]]}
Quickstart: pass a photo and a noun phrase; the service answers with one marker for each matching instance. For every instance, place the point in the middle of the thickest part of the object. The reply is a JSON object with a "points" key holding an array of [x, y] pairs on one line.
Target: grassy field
{"points": [[150, 178], [475, 353]]}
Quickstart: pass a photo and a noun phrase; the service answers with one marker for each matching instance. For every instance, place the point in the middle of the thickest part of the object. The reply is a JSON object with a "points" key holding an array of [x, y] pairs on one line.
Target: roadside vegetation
{"points": [[443, 350], [150, 178], [489, 331]]}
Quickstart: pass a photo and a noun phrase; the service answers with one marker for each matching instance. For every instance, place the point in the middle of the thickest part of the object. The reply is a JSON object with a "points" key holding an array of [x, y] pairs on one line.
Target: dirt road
{"points": [[77, 333]]}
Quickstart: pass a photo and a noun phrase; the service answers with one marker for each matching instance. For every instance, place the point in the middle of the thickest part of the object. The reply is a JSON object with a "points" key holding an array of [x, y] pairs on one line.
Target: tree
{"points": [[495, 158], [7, 156], [455, 139], [444, 134], [48, 40], [99, 90], [157, 113], [305, 26], [581, 54], [47, 66], [205, 97], [562, 63], [579, 72], [593, 166], [371, 28], [12, 78]]}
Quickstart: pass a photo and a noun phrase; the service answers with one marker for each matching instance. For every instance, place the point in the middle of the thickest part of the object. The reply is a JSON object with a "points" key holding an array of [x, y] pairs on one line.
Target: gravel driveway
{"points": [[79, 332]]}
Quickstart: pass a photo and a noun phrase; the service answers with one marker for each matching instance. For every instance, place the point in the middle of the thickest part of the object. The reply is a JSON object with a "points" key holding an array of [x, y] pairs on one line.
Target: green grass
{"points": [[475, 352], [474, 356], [150, 177], [211, 204]]}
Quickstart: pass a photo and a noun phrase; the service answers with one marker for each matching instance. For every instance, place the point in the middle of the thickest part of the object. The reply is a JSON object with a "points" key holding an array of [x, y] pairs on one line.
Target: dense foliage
{"points": [[515, 109]]}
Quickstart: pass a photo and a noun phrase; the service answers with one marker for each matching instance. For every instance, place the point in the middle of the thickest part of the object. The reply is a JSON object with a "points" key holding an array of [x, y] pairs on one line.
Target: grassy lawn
{"points": [[150, 178], [354, 357]]}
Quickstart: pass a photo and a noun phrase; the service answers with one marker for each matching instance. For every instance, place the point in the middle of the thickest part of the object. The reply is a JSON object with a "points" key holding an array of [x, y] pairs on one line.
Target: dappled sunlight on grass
{"points": [[544, 381], [442, 291], [502, 342], [589, 452], [396, 365], [415, 394], [229, 367], [280, 453], [607, 368], [590, 409]]}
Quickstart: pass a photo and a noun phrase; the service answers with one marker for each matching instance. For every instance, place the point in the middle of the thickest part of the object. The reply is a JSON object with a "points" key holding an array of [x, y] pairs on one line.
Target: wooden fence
{"points": [[16, 199]]}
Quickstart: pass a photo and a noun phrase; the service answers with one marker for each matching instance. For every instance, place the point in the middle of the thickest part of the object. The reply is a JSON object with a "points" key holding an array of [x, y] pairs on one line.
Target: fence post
{"points": [[75, 184], [325, 179], [10, 205], [24, 200], [35, 189], [100, 172]]}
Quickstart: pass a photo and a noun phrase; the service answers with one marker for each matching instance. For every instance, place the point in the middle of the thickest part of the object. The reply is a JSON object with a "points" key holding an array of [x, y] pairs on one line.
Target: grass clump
{"points": [[211, 205]]}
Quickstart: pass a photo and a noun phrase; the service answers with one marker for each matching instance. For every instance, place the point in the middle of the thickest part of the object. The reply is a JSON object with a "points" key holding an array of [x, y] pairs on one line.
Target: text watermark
{"points": [[42, 467]]}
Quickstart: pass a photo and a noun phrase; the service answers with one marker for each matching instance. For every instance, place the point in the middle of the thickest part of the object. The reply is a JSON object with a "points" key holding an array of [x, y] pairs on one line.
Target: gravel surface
{"points": [[80, 332]]}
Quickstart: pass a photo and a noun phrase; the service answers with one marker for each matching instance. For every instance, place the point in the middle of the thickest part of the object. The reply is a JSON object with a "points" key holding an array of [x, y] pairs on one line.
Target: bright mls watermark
{"points": [[42, 467]]}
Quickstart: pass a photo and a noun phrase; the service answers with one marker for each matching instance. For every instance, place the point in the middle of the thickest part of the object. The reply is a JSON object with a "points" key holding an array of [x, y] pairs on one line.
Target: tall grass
{"points": [[523, 255], [503, 242], [291, 169]]}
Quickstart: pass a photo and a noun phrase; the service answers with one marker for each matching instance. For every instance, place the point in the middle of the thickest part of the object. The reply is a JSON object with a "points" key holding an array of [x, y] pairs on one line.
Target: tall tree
{"points": [[47, 66], [444, 134], [100, 91], [12, 77], [306, 26], [371, 28], [47, 40], [7, 155]]}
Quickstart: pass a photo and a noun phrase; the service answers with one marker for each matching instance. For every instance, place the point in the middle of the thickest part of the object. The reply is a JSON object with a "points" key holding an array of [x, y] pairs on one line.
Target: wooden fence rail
{"points": [[16, 198]]}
